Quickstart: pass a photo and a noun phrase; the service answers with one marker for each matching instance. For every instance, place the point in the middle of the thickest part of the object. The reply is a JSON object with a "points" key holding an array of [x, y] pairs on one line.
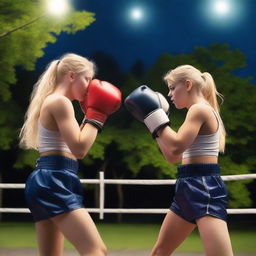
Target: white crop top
{"points": [[50, 140], [204, 145]]}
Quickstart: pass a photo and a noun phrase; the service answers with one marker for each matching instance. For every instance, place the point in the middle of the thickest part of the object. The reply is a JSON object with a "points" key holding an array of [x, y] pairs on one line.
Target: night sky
{"points": [[131, 30]]}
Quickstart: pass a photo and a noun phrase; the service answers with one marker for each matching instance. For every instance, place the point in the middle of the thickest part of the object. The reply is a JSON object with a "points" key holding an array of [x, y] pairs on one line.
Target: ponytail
{"points": [[205, 83], [43, 87], [210, 94]]}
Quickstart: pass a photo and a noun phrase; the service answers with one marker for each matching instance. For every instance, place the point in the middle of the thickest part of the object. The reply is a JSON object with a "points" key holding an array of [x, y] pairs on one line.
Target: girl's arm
{"points": [[79, 139], [171, 158], [173, 144]]}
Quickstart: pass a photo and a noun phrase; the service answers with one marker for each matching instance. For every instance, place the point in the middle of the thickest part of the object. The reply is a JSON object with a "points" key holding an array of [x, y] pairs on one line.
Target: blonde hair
{"points": [[203, 82], [45, 85]]}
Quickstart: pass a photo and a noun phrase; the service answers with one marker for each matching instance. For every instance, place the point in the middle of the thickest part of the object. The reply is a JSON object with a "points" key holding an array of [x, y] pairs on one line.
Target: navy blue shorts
{"points": [[53, 187], [200, 191]]}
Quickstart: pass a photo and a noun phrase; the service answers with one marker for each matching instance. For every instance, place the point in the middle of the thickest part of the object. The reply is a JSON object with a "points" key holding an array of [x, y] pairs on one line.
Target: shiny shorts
{"points": [[199, 191], [53, 187]]}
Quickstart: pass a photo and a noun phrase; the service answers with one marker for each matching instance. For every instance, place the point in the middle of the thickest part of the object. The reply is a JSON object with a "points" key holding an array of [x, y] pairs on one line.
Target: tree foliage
{"points": [[137, 148], [22, 48], [125, 148], [25, 46]]}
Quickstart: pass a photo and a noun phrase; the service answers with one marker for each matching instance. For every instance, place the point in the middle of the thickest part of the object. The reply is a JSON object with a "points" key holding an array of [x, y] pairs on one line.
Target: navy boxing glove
{"points": [[149, 107]]}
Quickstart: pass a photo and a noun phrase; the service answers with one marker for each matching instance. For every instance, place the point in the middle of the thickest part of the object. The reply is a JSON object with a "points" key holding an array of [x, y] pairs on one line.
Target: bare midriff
{"points": [[59, 153], [200, 160]]}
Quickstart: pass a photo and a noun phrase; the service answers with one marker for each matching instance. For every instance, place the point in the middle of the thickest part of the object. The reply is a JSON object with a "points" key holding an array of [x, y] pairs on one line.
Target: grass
{"points": [[126, 236], [140, 236]]}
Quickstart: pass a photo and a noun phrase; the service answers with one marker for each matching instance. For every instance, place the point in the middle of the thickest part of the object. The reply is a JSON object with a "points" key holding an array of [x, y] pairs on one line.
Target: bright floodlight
{"points": [[136, 14], [222, 7], [57, 7], [224, 14]]}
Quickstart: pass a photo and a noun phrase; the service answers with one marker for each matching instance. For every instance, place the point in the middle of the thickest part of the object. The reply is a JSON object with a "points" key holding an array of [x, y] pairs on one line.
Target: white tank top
{"points": [[50, 140], [205, 145]]}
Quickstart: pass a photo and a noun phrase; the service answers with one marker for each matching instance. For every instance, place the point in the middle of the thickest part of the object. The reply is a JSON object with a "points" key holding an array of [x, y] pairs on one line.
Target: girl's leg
{"points": [[78, 227], [215, 236], [173, 232], [50, 239]]}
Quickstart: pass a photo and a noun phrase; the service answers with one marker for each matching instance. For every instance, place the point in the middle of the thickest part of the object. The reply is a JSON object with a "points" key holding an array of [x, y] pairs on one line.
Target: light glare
{"points": [[222, 7], [57, 7], [223, 14], [136, 14]]}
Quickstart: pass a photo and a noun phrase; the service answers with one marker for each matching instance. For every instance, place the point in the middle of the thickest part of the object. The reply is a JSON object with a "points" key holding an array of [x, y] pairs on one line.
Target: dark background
{"points": [[173, 26], [116, 40]]}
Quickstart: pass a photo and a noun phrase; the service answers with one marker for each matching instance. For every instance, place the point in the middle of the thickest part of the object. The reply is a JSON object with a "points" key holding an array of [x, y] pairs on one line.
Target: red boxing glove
{"points": [[101, 100]]}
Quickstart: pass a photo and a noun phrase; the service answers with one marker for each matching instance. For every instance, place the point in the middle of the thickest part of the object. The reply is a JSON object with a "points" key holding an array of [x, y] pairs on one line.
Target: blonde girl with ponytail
{"points": [[45, 86], [53, 190], [200, 194]]}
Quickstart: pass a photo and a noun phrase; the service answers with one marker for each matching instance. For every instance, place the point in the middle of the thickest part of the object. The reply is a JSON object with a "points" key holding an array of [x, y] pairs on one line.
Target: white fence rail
{"points": [[102, 181]]}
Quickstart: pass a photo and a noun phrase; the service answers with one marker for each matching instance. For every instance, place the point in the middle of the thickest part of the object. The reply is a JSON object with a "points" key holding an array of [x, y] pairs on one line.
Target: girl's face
{"points": [[80, 85], [178, 94]]}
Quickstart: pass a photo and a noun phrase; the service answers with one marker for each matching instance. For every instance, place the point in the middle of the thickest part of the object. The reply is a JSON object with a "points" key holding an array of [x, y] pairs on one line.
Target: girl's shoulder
{"points": [[56, 97], [55, 103], [200, 108], [200, 111], [57, 100]]}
